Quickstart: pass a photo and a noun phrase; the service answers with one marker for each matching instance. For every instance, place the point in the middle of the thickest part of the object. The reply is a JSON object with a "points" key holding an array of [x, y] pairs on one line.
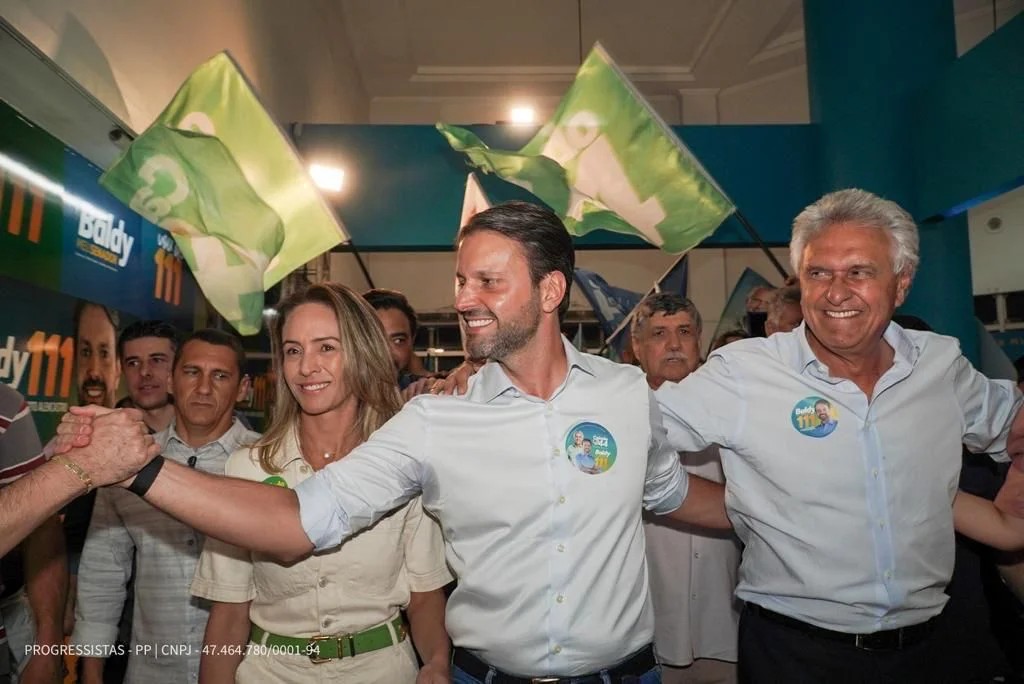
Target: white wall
{"points": [[780, 98], [996, 230], [427, 278], [133, 55]]}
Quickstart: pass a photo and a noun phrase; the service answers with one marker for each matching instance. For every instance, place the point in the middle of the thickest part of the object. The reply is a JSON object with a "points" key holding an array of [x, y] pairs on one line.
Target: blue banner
{"points": [[113, 256]]}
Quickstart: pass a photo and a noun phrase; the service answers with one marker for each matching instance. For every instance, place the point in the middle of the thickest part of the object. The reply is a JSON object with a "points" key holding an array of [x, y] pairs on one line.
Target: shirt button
{"points": [[303, 469], [322, 582], [560, 599], [555, 452], [561, 548], [191, 542], [693, 597], [881, 524], [874, 472], [549, 409], [561, 499], [696, 554], [888, 574], [556, 649]]}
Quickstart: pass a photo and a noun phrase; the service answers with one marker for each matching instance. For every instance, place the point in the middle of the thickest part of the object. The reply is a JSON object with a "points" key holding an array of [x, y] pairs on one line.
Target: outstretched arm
{"points": [[980, 520], [240, 512]]}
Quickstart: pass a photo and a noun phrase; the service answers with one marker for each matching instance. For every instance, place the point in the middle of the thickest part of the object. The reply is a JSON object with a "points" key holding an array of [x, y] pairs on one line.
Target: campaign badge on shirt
{"points": [[590, 447], [276, 481], [815, 417]]}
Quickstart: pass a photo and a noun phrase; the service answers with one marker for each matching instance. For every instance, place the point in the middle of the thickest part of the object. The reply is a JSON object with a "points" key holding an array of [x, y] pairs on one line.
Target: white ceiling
{"points": [[487, 48], [465, 48]]}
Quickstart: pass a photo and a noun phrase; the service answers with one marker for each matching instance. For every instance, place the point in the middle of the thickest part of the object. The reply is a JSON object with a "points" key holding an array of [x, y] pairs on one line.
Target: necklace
{"points": [[328, 455]]}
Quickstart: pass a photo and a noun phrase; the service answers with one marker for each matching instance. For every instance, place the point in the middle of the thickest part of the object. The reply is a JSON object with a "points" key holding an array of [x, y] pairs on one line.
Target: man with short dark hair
{"points": [[693, 573], [96, 362], [525, 527], [399, 321], [146, 350], [207, 381]]}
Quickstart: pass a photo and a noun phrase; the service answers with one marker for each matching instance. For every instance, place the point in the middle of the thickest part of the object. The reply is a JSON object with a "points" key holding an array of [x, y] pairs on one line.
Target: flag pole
{"points": [[362, 266], [760, 243]]}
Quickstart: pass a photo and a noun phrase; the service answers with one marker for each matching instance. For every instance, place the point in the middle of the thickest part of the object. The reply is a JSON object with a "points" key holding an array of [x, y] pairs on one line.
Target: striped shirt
{"points": [[20, 449], [167, 622]]}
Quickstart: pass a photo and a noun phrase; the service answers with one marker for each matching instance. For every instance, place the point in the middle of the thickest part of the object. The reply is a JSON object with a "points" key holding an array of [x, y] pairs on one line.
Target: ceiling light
{"points": [[522, 115], [329, 178], [24, 173]]}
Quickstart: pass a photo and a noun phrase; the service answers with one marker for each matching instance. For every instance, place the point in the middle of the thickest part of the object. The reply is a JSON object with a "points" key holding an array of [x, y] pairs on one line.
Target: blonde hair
{"points": [[369, 373]]}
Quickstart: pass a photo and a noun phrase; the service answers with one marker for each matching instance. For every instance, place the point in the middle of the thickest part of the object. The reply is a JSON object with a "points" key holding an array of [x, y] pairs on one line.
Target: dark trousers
{"points": [[773, 653]]}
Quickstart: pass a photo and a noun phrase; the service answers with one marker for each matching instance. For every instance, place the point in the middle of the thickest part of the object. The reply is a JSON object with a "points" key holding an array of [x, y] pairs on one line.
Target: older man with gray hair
{"points": [[848, 532], [693, 573]]}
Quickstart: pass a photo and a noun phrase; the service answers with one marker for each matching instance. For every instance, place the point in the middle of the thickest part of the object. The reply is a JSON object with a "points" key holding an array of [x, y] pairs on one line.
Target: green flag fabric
{"points": [[607, 160], [217, 172]]}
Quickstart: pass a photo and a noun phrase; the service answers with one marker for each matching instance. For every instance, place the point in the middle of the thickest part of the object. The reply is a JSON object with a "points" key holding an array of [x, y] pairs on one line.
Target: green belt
{"points": [[323, 648]]}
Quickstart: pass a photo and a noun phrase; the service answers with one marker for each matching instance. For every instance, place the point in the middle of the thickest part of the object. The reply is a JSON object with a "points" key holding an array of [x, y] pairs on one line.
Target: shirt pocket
{"points": [[371, 562], [276, 582]]}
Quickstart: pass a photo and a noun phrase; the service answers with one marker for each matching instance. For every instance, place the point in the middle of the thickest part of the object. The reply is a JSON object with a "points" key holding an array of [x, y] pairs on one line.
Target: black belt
{"points": [[637, 664], [886, 640]]}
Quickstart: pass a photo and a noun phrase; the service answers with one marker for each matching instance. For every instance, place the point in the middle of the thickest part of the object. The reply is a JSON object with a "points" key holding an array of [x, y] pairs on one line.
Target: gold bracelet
{"points": [[76, 469]]}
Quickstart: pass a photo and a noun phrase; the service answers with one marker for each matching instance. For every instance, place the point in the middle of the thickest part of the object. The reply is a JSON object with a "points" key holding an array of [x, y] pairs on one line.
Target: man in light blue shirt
{"points": [[841, 448], [549, 555]]}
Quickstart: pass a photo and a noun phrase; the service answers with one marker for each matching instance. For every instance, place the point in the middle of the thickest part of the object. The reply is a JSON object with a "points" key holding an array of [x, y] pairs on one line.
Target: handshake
{"points": [[103, 446]]}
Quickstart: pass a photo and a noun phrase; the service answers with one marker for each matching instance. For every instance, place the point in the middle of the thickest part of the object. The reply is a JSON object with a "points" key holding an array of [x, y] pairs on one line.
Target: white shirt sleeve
{"points": [[667, 482], [988, 407], [704, 408], [376, 477]]}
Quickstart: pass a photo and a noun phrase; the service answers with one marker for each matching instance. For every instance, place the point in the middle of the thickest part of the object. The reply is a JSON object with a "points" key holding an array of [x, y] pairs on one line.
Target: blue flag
{"points": [[614, 306], [611, 304]]}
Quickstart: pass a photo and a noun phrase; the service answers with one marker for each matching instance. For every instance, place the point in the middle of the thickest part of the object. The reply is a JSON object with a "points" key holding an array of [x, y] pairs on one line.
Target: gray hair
{"points": [[782, 297], [667, 303], [861, 207]]}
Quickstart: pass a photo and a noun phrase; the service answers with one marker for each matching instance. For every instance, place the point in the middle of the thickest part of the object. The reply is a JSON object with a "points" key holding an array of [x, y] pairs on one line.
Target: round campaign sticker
{"points": [[590, 448], [277, 481], [815, 417]]}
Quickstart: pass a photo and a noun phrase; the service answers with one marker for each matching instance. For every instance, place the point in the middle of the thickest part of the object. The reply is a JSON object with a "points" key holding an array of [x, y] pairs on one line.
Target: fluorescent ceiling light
{"points": [[19, 170], [328, 178]]}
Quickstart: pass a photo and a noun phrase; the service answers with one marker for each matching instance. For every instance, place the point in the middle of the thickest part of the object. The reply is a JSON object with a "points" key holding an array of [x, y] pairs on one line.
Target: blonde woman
{"points": [[334, 616]]}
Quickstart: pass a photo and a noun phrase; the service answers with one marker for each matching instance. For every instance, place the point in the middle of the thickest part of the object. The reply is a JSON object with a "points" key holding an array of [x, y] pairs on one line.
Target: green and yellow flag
{"points": [[219, 174], [607, 160]]}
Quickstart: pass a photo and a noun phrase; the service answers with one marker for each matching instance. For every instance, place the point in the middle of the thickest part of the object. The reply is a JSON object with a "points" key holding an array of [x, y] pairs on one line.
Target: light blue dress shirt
{"points": [[851, 530], [550, 559]]}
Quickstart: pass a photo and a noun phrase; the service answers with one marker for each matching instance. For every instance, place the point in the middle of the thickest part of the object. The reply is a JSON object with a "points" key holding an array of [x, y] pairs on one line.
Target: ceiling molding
{"points": [[783, 45], [683, 92], [542, 74], [778, 76], [712, 31]]}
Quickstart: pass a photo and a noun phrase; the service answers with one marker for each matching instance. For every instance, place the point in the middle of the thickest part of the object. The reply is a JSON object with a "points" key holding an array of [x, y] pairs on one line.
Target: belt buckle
{"points": [[313, 651], [867, 642]]}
